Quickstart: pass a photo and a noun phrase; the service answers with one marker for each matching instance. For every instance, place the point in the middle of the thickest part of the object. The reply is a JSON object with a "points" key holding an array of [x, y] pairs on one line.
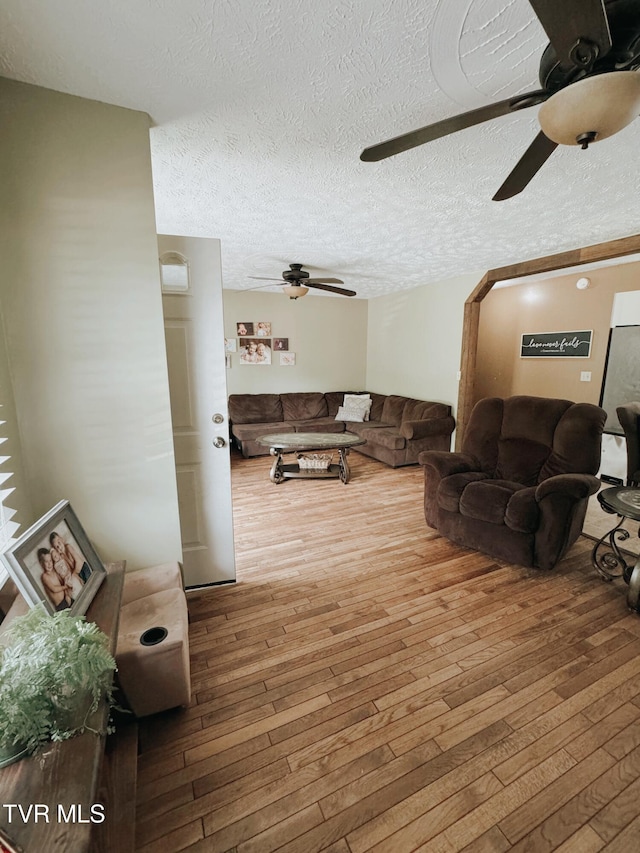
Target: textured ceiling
{"points": [[261, 109]]}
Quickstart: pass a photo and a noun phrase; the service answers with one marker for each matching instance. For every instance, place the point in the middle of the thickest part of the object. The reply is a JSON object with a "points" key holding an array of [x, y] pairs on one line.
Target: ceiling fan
{"points": [[294, 287], [590, 86]]}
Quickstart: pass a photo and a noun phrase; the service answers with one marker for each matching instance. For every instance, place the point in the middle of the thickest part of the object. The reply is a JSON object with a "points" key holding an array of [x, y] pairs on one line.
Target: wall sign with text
{"points": [[556, 345]]}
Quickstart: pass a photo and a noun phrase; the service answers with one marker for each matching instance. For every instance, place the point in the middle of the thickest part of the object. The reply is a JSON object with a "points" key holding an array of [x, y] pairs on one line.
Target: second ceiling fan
{"points": [[590, 86], [298, 282]]}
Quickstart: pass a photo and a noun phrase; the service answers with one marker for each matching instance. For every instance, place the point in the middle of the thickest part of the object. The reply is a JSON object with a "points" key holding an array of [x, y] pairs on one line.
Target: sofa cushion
{"points": [[303, 405], [487, 500], [255, 408], [392, 409], [451, 488], [318, 425], [575, 447], [249, 432], [361, 428], [512, 438], [520, 460], [417, 410], [388, 437], [377, 404]]}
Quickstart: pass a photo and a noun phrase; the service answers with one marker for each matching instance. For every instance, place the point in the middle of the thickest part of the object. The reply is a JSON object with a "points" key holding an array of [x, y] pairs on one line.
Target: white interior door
{"points": [[194, 335]]}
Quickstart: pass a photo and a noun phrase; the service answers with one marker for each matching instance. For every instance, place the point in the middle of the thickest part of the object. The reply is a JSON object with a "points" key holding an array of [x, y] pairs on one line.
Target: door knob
{"points": [[219, 441]]}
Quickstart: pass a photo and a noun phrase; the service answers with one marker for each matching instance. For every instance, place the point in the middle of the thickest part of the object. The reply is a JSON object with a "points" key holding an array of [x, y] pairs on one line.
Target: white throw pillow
{"points": [[358, 401], [345, 414]]}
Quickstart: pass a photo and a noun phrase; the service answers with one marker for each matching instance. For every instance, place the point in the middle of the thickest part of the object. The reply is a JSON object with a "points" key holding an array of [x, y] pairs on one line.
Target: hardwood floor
{"points": [[369, 686]]}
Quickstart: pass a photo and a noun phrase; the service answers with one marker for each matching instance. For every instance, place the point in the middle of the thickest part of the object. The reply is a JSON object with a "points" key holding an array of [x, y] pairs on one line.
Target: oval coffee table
{"points": [[623, 501], [291, 442]]}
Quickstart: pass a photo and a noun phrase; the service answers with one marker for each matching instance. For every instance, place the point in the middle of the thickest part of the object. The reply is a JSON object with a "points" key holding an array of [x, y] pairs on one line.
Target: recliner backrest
{"points": [[629, 417], [527, 439]]}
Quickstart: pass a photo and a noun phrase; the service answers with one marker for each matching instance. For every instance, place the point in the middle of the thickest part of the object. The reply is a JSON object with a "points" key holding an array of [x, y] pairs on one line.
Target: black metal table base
{"points": [[611, 563]]}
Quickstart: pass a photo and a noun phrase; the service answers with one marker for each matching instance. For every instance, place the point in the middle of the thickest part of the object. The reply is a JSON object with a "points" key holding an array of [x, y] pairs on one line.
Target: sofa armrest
{"points": [[577, 486], [426, 427], [445, 463]]}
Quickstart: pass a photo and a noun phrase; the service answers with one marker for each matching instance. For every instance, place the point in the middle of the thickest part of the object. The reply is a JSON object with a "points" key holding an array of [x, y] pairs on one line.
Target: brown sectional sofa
{"points": [[399, 429]]}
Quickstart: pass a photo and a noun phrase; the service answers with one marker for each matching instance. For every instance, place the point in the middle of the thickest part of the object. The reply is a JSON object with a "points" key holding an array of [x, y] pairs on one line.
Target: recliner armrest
{"points": [[577, 486], [445, 463], [426, 427]]}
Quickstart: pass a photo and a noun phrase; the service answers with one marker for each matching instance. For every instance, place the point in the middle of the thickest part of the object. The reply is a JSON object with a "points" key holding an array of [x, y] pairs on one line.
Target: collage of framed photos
{"points": [[255, 345]]}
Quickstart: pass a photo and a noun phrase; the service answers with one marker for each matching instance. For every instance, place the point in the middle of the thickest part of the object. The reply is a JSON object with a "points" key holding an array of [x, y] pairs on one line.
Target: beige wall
{"points": [[414, 340], [327, 333], [548, 305], [82, 311]]}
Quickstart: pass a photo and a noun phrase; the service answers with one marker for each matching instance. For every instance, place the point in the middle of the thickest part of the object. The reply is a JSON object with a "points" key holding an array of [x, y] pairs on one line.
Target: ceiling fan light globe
{"points": [[295, 291], [603, 104]]}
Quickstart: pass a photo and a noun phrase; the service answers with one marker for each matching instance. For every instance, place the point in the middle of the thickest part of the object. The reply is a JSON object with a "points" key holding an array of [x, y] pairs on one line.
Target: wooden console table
{"points": [[66, 773]]}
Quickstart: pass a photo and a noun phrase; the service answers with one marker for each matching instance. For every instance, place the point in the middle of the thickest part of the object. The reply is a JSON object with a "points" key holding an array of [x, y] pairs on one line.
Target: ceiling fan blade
{"points": [[275, 283], [450, 125], [341, 290], [531, 161], [264, 278], [321, 281], [572, 26]]}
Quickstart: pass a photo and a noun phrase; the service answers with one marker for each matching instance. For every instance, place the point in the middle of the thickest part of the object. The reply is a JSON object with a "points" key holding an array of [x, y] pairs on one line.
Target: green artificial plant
{"points": [[54, 672]]}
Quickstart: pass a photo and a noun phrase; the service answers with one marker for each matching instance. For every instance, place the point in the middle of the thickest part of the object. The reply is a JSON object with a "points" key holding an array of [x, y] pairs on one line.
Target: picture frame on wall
{"points": [[280, 344], [556, 344], [255, 351], [263, 329], [230, 345], [54, 564], [244, 329], [287, 359]]}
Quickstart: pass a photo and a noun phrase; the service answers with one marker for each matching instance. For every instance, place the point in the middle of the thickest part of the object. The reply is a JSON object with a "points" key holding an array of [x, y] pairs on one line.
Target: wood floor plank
{"points": [[368, 685], [577, 776], [611, 731], [622, 809], [597, 802], [626, 840], [585, 840], [516, 795], [421, 830]]}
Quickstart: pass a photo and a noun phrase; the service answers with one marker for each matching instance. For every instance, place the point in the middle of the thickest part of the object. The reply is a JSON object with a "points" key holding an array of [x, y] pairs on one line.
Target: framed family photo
{"points": [[255, 350], [54, 564], [244, 329]]}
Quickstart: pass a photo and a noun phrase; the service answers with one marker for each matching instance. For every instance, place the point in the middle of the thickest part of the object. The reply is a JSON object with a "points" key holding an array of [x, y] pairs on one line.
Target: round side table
{"points": [[623, 501]]}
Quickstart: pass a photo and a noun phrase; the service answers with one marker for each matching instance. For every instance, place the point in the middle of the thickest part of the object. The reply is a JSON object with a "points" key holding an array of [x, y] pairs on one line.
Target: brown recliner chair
{"points": [[629, 417], [519, 489]]}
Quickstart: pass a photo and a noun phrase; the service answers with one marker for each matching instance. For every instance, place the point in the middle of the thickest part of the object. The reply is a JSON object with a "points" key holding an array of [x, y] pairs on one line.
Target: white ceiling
{"points": [[262, 107]]}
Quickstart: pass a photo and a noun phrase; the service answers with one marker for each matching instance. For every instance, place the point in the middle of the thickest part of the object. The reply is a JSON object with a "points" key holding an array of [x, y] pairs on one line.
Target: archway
{"points": [[471, 320]]}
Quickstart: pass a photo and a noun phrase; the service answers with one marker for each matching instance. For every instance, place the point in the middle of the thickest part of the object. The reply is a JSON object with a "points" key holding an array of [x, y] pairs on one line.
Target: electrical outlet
{"points": [[585, 376]]}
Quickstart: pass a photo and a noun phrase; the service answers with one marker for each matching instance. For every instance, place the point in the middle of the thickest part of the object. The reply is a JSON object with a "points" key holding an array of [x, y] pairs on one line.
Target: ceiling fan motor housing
{"points": [[295, 273], [624, 25]]}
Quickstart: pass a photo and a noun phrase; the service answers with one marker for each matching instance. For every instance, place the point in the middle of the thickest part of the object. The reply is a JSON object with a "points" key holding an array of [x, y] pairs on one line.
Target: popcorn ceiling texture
{"points": [[262, 107]]}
